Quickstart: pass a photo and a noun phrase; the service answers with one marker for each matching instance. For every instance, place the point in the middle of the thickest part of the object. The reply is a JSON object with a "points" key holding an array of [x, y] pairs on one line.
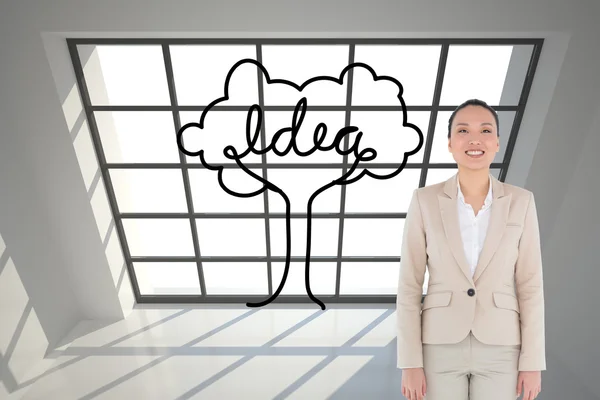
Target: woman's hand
{"points": [[413, 383], [530, 383]]}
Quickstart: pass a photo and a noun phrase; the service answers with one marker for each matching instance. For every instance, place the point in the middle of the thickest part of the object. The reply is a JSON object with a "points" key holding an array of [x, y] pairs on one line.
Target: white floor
{"points": [[274, 352]]}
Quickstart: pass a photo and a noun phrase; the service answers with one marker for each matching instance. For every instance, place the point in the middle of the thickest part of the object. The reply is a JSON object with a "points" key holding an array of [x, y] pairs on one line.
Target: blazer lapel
{"points": [[449, 214], [496, 226], [498, 217]]}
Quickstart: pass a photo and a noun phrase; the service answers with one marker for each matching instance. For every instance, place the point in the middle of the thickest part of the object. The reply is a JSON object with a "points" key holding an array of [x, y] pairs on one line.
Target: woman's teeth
{"points": [[474, 153]]}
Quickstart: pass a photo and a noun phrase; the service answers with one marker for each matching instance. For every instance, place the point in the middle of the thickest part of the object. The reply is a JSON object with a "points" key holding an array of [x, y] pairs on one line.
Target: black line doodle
{"points": [[320, 133]]}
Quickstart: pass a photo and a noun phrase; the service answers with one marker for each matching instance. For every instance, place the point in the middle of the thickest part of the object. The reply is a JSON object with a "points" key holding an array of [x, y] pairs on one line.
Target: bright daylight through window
{"points": [[185, 239]]}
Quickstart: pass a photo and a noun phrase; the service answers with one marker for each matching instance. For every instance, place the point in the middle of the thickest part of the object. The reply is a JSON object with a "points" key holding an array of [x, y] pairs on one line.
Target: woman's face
{"points": [[474, 128]]}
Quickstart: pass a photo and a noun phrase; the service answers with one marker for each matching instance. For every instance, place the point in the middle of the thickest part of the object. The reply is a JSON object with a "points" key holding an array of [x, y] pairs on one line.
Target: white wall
{"points": [[571, 253], [28, 317], [110, 252], [44, 200]]}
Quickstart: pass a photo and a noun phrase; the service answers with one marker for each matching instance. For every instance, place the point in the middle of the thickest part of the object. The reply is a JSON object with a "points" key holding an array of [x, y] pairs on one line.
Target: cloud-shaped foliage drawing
{"points": [[216, 145]]}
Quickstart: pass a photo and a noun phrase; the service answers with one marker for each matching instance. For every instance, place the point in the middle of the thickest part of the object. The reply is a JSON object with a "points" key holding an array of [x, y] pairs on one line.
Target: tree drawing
{"points": [[214, 146]]}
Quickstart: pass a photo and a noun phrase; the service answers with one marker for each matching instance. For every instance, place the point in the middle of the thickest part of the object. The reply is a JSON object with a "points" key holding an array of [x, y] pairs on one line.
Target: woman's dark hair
{"points": [[474, 102]]}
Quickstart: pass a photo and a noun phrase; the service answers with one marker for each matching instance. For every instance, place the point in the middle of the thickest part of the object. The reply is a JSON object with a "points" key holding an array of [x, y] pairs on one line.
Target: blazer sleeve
{"points": [[530, 293], [410, 288]]}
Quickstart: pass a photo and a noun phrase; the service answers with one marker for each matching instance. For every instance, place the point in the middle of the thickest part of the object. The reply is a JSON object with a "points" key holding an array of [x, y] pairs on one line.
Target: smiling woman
{"points": [[458, 229]]}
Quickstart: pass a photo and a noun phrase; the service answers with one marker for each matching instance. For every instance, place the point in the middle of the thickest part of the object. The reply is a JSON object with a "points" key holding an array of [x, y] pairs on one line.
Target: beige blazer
{"points": [[502, 304]]}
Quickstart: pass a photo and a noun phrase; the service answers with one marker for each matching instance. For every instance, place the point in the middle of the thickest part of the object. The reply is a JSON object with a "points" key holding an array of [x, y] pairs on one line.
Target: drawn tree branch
{"points": [[212, 144]]}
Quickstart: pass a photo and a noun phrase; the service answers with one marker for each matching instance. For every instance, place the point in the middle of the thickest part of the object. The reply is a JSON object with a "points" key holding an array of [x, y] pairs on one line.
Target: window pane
{"points": [[235, 278], [376, 195], [373, 237], [300, 184], [232, 237], [414, 66], [208, 195], [138, 136], [369, 278], [126, 75], [439, 148], [278, 120], [437, 175], [324, 237], [420, 119], [506, 119], [149, 190], [200, 72], [221, 129], [158, 237], [301, 63], [322, 278], [384, 132], [167, 278], [499, 82]]}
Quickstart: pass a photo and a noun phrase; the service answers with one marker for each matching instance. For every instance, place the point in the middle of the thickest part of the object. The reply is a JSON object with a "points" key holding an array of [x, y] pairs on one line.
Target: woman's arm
{"points": [[530, 292], [410, 288]]}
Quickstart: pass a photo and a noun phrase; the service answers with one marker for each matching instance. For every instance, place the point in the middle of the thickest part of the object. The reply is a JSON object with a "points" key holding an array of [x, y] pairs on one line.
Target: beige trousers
{"points": [[471, 370]]}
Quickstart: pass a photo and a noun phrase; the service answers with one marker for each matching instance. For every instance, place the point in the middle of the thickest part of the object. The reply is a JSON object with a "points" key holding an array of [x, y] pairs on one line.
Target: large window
{"points": [[185, 239]]}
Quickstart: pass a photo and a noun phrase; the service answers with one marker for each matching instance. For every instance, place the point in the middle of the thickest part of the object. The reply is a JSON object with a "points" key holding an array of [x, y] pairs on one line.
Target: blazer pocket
{"points": [[437, 299], [506, 301]]}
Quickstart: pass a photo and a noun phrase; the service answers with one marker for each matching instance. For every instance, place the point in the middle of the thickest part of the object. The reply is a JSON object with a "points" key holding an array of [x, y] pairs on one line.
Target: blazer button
{"points": [[471, 292]]}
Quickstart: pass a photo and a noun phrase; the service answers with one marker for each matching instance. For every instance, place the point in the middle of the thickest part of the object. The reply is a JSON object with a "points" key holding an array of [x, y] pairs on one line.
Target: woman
{"points": [[479, 332]]}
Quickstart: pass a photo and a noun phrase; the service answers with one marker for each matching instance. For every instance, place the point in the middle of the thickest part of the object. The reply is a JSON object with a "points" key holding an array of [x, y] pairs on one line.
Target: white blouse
{"points": [[473, 228]]}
